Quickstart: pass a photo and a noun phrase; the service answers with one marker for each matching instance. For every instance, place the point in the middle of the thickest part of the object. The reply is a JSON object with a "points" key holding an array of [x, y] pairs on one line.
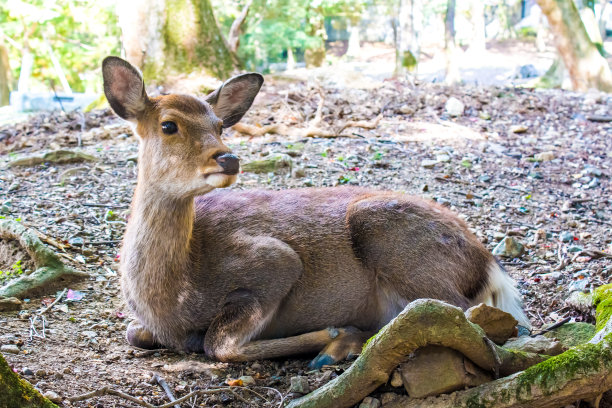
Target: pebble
{"points": [[89, 333], [247, 380], [299, 384], [566, 236], [76, 241], [509, 248], [396, 379], [9, 348], [369, 402], [53, 396], [454, 107], [578, 286], [518, 129], [544, 156], [27, 371], [429, 164]]}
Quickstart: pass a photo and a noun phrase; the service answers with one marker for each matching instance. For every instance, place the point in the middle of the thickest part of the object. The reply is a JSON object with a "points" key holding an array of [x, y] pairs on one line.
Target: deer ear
{"points": [[124, 88], [231, 101]]}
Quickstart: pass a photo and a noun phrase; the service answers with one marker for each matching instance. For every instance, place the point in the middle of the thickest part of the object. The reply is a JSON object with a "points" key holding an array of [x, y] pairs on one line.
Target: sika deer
{"points": [[244, 275]]}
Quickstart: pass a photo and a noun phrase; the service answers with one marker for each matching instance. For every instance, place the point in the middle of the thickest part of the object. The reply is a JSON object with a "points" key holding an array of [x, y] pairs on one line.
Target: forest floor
{"points": [[534, 165]]}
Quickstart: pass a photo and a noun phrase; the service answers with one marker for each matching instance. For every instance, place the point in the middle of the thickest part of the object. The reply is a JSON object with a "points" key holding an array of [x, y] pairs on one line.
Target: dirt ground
{"points": [[534, 165]]}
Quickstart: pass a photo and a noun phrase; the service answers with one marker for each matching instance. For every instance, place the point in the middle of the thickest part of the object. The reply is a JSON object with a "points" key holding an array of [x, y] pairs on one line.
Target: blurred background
{"points": [[50, 50]]}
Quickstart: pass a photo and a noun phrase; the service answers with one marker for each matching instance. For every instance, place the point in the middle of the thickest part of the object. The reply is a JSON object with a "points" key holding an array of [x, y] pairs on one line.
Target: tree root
{"points": [[423, 322], [50, 270], [17, 392]]}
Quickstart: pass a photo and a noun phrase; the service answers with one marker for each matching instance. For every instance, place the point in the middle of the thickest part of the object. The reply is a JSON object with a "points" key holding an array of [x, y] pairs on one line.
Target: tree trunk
{"points": [[478, 44], [406, 46], [452, 65], [16, 392], [5, 76], [162, 37], [354, 47], [233, 38], [586, 67]]}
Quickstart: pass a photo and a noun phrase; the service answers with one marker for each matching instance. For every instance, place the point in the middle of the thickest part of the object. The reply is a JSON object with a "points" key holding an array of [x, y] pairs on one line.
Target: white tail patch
{"points": [[501, 292]]}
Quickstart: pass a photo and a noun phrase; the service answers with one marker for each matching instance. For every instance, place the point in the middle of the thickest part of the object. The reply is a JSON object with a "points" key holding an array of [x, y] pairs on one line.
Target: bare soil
{"points": [[487, 169]]}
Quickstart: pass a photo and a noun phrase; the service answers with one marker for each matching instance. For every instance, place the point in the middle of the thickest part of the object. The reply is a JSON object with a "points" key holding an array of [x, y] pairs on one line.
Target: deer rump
{"points": [[315, 258]]}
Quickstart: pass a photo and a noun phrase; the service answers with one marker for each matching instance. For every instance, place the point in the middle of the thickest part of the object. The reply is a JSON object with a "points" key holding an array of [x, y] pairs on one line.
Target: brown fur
{"points": [[244, 275]]}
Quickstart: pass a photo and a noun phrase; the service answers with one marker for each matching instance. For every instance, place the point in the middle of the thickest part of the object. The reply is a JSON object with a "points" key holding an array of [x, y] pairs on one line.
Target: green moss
{"points": [[572, 334], [550, 375], [17, 392], [602, 299], [409, 61]]}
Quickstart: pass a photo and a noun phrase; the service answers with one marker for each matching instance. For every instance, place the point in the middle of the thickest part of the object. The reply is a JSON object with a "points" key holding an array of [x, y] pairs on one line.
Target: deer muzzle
{"points": [[229, 163]]}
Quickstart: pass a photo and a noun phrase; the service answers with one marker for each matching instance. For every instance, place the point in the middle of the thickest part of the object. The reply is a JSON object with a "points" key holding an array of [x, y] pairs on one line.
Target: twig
{"points": [[509, 188], [113, 241], [59, 297], [104, 205], [162, 383], [554, 326]]}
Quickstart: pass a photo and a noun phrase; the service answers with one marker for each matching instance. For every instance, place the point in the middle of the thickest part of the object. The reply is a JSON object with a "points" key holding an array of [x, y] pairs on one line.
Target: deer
{"points": [[259, 274]]}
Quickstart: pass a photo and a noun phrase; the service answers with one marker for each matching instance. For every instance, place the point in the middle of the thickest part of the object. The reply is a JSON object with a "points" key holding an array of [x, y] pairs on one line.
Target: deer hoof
{"points": [[138, 336]]}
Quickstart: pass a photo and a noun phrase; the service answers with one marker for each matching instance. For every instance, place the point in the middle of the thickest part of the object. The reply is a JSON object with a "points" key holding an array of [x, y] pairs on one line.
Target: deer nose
{"points": [[229, 162]]}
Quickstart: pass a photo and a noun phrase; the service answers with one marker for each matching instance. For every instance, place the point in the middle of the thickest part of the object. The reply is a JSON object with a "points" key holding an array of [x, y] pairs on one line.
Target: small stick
{"points": [[59, 297], [104, 205], [554, 326], [162, 383]]}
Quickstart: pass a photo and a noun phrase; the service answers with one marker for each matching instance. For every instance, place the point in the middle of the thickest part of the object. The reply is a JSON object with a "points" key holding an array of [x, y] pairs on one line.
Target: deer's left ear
{"points": [[231, 101]]}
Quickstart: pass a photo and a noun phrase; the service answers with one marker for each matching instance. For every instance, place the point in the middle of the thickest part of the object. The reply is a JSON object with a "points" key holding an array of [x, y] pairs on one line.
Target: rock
{"points": [[27, 372], [307, 182], [580, 301], [9, 348], [443, 158], [57, 156], [528, 71], [389, 398], [396, 379], [450, 369], [299, 384], [497, 324], [454, 107], [247, 380], [538, 344], [509, 247], [369, 402], [429, 164], [484, 115], [271, 163], [76, 241], [89, 333], [52, 396], [518, 129], [566, 236], [572, 334], [544, 156], [299, 172], [578, 285], [41, 373], [9, 304]]}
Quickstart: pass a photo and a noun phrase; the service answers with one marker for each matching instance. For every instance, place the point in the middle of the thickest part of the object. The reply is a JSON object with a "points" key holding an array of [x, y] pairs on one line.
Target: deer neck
{"points": [[156, 249]]}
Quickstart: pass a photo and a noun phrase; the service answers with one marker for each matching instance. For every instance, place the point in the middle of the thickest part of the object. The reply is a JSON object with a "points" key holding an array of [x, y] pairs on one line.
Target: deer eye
{"points": [[169, 128]]}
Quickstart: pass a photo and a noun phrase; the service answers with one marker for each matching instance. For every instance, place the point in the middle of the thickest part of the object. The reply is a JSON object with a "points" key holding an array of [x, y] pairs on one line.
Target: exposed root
{"points": [[50, 270]]}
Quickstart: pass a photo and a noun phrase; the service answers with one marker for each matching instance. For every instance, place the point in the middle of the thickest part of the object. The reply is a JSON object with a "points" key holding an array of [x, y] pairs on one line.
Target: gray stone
{"points": [[544, 156], [9, 304], [89, 333], [53, 396], [9, 348], [429, 164], [497, 324], [509, 247], [247, 380], [437, 370], [27, 372], [454, 107], [538, 344], [566, 236], [369, 402], [299, 384]]}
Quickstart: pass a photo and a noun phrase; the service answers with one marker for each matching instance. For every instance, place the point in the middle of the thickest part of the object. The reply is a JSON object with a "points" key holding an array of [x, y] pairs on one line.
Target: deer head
{"points": [[181, 153]]}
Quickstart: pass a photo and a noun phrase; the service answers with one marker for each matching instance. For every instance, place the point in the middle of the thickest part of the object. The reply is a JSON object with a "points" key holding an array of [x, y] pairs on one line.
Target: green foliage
{"points": [[15, 272], [80, 33], [602, 299]]}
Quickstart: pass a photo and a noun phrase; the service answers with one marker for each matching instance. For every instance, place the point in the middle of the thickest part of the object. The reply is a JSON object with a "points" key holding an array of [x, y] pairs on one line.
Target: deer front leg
{"points": [[242, 318]]}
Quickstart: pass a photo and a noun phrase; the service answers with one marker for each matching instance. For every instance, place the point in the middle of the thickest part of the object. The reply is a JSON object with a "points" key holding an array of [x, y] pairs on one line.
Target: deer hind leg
{"points": [[347, 343], [242, 318], [140, 337]]}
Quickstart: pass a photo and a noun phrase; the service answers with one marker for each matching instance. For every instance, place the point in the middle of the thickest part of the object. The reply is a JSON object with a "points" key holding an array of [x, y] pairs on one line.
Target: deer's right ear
{"points": [[124, 88]]}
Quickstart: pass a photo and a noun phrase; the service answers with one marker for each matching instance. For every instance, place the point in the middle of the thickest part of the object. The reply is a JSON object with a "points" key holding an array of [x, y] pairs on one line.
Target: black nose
{"points": [[229, 162]]}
